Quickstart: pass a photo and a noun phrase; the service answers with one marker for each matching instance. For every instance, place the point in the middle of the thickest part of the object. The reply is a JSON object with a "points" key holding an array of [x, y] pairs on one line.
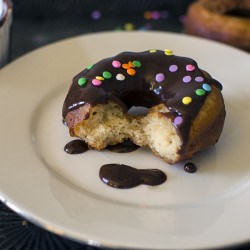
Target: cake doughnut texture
{"points": [[227, 21], [186, 110]]}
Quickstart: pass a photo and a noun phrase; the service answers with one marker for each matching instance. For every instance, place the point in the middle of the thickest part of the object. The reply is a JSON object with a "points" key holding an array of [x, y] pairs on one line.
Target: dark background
{"points": [[40, 22]]}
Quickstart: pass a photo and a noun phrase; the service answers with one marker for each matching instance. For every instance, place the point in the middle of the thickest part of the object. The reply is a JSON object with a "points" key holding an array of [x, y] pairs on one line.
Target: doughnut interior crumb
{"points": [[108, 125]]}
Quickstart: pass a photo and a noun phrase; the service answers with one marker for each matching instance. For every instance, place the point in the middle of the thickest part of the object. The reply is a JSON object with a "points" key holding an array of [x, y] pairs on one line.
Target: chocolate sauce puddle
{"points": [[123, 147], [190, 167], [124, 176], [76, 147]]}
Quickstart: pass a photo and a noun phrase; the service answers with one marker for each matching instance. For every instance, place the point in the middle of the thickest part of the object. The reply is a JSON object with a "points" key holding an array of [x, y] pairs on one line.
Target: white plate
{"points": [[63, 193]]}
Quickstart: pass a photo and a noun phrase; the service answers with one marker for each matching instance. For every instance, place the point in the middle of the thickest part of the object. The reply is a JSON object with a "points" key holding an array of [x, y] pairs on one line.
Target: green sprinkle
{"points": [[200, 92], [82, 81], [106, 75], [137, 64], [90, 66]]}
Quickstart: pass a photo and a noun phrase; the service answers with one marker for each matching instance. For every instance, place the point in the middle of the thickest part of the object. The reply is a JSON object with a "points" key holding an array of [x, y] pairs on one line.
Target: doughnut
{"points": [[185, 107], [226, 21], [226, 6]]}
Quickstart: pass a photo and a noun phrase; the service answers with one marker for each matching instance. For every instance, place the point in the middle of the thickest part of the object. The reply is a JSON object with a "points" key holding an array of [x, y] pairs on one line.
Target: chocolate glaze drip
{"points": [[143, 89], [190, 167], [76, 147], [123, 176], [123, 147]]}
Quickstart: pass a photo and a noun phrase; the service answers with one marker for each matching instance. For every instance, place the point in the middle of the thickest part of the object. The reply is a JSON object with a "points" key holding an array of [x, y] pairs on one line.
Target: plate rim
{"points": [[21, 211]]}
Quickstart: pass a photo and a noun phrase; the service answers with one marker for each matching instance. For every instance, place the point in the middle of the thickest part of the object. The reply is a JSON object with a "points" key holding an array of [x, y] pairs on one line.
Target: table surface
{"points": [[46, 24]]}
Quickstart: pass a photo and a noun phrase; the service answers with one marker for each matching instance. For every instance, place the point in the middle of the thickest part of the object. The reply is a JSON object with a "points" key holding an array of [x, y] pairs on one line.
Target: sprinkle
{"points": [[129, 26], [96, 14], [99, 78], [155, 15], [168, 52], [178, 120], [190, 67], [116, 64], [82, 81], [152, 51], [106, 74], [131, 72], [186, 79], [125, 66], [131, 65], [206, 87], [173, 68], [120, 77], [147, 14], [200, 92], [90, 66], [137, 64], [199, 79], [160, 77], [96, 82], [186, 100]]}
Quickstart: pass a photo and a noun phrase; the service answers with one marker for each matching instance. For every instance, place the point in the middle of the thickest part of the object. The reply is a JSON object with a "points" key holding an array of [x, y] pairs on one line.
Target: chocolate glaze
{"points": [[76, 147], [123, 176], [123, 147], [143, 89], [190, 167]]}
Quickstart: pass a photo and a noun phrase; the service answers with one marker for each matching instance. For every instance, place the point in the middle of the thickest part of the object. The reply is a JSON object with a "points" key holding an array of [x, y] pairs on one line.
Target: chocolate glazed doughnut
{"points": [[186, 108]]}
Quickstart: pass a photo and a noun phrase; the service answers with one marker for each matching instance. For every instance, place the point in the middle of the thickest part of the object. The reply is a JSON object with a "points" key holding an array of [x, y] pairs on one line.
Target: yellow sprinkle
{"points": [[129, 26], [99, 78], [168, 52], [186, 100], [152, 50]]}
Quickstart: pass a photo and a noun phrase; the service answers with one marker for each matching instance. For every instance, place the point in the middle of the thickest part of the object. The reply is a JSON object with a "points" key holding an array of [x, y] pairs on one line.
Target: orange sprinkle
{"points": [[131, 65], [131, 72], [125, 66], [147, 15]]}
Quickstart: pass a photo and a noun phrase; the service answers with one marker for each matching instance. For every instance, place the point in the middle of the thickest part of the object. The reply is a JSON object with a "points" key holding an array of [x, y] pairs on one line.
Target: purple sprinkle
{"points": [[186, 79], [199, 79], [178, 120], [96, 14], [173, 68], [160, 77]]}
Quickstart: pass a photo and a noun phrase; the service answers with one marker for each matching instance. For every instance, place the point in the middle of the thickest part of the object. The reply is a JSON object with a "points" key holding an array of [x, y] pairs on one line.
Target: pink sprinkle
{"points": [[199, 79], [173, 68], [190, 67], [116, 64], [178, 120], [96, 82], [186, 79], [160, 77], [155, 14]]}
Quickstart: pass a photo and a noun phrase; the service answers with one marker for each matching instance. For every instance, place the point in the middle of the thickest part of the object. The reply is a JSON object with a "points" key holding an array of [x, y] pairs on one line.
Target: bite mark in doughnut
{"points": [[186, 110]]}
